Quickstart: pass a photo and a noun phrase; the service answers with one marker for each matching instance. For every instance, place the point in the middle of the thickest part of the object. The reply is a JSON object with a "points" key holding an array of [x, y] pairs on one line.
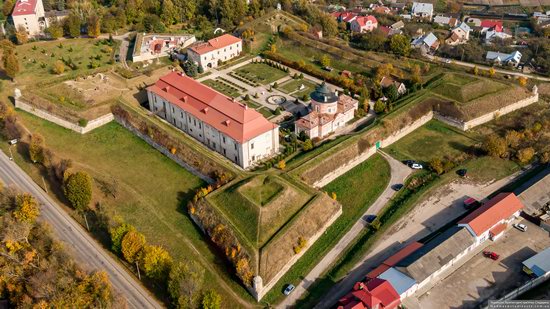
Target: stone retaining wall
{"points": [[92, 124], [372, 150]]}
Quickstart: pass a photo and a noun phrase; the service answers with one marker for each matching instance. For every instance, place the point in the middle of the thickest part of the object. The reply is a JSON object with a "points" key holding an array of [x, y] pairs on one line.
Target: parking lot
{"points": [[481, 278]]}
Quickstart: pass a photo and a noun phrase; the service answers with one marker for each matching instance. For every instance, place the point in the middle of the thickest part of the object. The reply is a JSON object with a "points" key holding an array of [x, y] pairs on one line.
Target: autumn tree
{"points": [[400, 45], [155, 262], [131, 245], [281, 165], [26, 208], [325, 60], [416, 76], [495, 146], [94, 25], [545, 157], [211, 300], [184, 283], [379, 106], [475, 70], [117, 234], [11, 63], [492, 72], [522, 81], [58, 67], [36, 148], [21, 35], [437, 166], [513, 138], [78, 190], [7, 7], [525, 155], [73, 23], [55, 29], [384, 70], [307, 145]]}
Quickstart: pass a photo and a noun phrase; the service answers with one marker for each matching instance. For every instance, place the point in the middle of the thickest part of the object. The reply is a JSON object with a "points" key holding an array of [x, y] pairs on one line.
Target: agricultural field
{"points": [[147, 190], [433, 140], [269, 213], [260, 73]]}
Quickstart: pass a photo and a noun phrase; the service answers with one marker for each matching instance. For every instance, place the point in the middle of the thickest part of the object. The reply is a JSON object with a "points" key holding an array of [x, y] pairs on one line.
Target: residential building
{"points": [[498, 58], [428, 42], [488, 24], [329, 111], [30, 15], [398, 25], [152, 46], [210, 54], [223, 124], [443, 20], [491, 219], [380, 9], [371, 294], [459, 35], [346, 17], [364, 24], [387, 81], [538, 265], [422, 10]]}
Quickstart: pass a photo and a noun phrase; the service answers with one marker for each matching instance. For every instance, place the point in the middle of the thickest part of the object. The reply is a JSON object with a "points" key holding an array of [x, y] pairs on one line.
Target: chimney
{"points": [[227, 122], [167, 88], [184, 99], [205, 110]]}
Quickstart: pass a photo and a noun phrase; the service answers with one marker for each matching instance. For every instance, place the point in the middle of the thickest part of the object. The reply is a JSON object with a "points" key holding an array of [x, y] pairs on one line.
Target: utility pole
{"points": [[137, 267], [44, 183], [86, 220]]}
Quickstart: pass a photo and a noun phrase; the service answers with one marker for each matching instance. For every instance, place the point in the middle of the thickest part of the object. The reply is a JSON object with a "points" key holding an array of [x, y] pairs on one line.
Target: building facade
{"points": [[329, 111], [209, 54], [30, 15], [364, 24], [221, 123]]}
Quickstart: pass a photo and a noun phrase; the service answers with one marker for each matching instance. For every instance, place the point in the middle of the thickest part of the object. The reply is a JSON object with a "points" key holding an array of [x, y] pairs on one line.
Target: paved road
{"points": [[399, 172], [85, 249]]}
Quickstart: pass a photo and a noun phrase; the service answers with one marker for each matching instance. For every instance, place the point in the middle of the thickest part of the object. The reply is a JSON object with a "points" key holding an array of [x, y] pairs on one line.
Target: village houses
{"points": [[364, 24], [217, 50], [459, 34], [422, 10]]}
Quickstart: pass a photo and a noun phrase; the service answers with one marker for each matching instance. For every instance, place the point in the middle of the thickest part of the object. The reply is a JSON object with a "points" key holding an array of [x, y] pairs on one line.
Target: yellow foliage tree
{"points": [[58, 67], [492, 72], [281, 165], [27, 209], [333, 195], [522, 81], [155, 262], [132, 244]]}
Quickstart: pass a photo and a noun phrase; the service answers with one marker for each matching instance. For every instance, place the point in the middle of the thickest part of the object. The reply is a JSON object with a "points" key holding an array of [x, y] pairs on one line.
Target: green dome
{"points": [[323, 94]]}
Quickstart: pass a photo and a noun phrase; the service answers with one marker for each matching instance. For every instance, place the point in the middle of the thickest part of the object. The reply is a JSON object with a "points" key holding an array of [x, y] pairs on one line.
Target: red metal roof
{"points": [[215, 43], [502, 206], [498, 229], [362, 20], [24, 7], [375, 293], [227, 115]]}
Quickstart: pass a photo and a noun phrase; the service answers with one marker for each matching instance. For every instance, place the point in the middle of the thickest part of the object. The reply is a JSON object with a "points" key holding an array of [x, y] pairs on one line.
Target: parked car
{"points": [[369, 218], [471, 202], [417, 166], [328, 69], [397, 186], [462, 172], [13, 141], [490, 254], [408, 162], [521, 227], [289, 288]]}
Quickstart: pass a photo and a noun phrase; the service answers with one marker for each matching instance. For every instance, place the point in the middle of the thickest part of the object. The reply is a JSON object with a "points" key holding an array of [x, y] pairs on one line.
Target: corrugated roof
{"points": [[536, 196], [539, 264], [436, 253], [400, 281], [228, 116], [502, 206]]}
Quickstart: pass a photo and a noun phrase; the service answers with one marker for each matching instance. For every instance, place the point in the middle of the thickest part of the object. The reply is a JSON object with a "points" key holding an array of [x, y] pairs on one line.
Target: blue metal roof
{"points": [[539, 264], [400, 282]]}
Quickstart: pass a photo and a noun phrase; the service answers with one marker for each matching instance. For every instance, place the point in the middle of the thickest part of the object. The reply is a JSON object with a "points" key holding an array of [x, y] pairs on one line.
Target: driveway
{"points": [[399, 172]]}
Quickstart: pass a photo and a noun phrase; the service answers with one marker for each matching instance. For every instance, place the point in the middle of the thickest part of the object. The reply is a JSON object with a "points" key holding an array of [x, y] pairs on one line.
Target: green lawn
{"points": [[433, 140], [294, 85], [222, 87], [266, 112], [252, 104], [263, 192], [261, 73], [152, 192], [37, 58], [356, 191]]}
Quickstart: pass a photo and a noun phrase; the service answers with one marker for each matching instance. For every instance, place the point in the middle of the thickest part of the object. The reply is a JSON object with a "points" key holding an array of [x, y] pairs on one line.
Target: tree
{"points": [[384, 70], [155, 262], [131, 245], [416, 76], [325, 60], [7, 7], [525, 155], [399, 45], [495, 146], [26, 208], [55, 29], [475, 70], [21, 35], [11, 64], [117, 234], [307, 145], [78, 190], [190, 68], [437, 166], [545, 157], [58, 67], [169, 14], [36, 148], [333, 195], [522, 81], [94, 26], [513, 138], [492, 72], [391, 93], [184, 283], [73, 24], [379, 107], [211, 300]]}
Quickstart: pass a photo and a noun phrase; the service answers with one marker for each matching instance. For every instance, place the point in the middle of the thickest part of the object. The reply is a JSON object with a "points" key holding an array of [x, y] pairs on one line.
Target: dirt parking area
{"points": [[481, 278]]}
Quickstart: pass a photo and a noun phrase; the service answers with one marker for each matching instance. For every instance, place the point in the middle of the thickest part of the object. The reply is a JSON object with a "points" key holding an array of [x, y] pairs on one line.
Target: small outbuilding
{"points": [[539, 264]]}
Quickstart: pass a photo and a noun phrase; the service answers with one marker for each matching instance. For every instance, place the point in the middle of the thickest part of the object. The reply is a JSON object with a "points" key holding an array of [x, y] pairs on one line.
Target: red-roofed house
{"points": [[346, 17], [490, 24], [209, 54], [229, 127], [373, 294], [30, 15], [364, 24], [491, 219]]}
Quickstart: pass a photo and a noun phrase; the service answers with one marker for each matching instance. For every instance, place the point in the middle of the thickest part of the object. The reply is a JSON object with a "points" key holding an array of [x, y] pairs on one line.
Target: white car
{"points": [[289, 289], [416, 166], [521, 227]]}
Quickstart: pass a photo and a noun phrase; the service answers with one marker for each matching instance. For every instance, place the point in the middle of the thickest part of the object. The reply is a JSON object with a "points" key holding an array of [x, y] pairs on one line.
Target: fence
{"points": [[524, 288]]}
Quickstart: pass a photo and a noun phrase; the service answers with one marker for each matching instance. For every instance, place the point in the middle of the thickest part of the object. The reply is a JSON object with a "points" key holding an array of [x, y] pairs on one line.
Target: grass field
{"points": [[152, 192], [266, 112], [370, 178], [433, 140], [262, 189], [463, 88], [261, 73], [37, 58], [294, 85]]}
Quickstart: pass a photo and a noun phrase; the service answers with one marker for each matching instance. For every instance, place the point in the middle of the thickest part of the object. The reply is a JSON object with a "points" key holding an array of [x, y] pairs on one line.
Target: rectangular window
{"points": [[252, 146], [195, 122], [200, 127], [214, 144], [224, 152], [223, 138], [235, 146], [181, 114]]}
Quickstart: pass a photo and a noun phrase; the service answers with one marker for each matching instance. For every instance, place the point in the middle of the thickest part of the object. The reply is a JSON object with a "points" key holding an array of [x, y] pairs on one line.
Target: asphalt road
{"points": [[85, 249], [399, 172]]}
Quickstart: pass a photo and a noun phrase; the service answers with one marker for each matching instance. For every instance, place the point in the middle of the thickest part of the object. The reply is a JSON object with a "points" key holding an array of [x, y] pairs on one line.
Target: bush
{"points": [[437, 166], [495, 146], [78, 190], [82, 122], [525, 155], [302, 243], [307, 145]]}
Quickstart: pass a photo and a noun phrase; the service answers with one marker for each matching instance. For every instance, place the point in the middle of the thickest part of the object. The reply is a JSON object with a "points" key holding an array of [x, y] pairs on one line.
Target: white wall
{"points": [[210, 59]]}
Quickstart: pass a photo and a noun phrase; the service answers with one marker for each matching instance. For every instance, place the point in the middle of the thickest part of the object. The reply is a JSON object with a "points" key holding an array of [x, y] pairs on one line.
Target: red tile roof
{"points": [[498, 229], [362, 20], [502, 206], [24, 7], [375, 293], [215, 43], [226, 115], [497, 24]]}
